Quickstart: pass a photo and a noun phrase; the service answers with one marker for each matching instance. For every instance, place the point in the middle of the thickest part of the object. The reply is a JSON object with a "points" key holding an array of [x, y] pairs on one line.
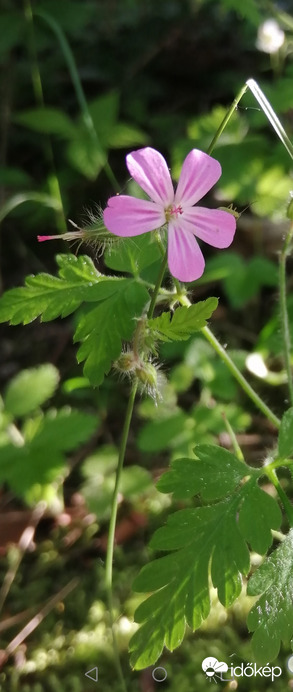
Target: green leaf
{"points": [[30, 388], [159, 434], [242, 279], [182, 577], [104, 111], [271, 616], [48, 121], [258, 514], [214, 473], [126, 135], [103, 328], [85, 153], [209, 541], [185, 321], [285, 442], [134, 481], [51, 296], [41, 459], [133, 254]]}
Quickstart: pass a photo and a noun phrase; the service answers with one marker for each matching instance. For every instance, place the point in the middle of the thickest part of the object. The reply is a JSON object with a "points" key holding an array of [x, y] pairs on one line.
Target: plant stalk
{"points": [[227, 117], [259, 403], [69, 58], [284, 312], [271, 474], [112, 527]]}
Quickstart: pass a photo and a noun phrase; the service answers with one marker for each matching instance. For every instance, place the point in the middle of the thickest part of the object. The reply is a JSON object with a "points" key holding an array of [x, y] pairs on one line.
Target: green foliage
{"points": [[285, 442], [99, 472], [34, 458], [248, 10], [133, 255], [242, 279], [271, 616], [30, 389], [101, 328], [87, 143], [184, 322], [206, 540]]}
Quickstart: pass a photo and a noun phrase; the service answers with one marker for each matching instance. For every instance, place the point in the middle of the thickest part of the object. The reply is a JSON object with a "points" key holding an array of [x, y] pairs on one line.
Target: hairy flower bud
{"points": [[147, 375]]}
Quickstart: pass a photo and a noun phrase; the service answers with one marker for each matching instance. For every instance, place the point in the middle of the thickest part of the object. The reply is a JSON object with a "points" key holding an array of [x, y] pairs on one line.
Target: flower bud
{"points": [[126, 363], [147, 375]]}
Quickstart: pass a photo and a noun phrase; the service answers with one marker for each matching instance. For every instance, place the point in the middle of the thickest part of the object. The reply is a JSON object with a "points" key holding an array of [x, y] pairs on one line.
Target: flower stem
{"points": [[259, 403], [157, 286], [112, 526], [284, 312], [271, 474], [227, 117]]}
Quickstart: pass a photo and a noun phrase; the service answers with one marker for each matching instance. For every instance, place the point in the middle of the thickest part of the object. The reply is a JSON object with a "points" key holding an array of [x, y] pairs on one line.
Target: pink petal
{"points": [[185, 258], [149, 169], [214, 226], [199, 173], [128, 216]]}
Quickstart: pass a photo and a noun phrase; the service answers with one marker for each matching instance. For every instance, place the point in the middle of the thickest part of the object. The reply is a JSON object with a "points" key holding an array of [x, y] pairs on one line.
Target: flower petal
{"points": [[127, 216], [214, 226], [199, 173], [149, 169], [185, 258]]}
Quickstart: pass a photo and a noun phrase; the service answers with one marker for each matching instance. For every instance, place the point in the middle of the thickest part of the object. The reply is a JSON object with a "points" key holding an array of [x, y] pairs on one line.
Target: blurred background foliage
{"points": [[84, 83]]}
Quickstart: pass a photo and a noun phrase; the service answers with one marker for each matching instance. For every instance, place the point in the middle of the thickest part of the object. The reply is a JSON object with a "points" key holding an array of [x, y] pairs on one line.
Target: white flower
{"points": [[270, 37]]}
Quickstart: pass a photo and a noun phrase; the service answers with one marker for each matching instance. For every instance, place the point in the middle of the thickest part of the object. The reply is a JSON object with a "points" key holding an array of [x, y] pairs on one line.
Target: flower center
{"points": [[172, 212]]}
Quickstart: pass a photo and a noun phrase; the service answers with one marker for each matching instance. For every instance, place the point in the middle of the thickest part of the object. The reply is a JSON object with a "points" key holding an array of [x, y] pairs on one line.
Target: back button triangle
{"points": [[93, 674]]}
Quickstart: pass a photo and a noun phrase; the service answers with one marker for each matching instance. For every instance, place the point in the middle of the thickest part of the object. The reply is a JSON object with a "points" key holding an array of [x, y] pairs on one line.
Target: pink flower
{"points": [[128, 216]]}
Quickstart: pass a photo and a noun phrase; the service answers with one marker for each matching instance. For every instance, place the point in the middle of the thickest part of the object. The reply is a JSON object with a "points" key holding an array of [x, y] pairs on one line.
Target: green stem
{"points": [[271, 474], [39, 97], [112, 526], [69, 58], [227, 117], [259, 403], [157, 286], [284, 312]]}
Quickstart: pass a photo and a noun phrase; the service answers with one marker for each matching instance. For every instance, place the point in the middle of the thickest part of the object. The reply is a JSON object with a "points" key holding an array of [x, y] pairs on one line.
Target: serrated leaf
{"points": [[271, 616], [51, 296], [258, 514], [103, 328], [185, 321], [196, 536], [30, 388], [285, 441], [209, 541], [214, 473]]}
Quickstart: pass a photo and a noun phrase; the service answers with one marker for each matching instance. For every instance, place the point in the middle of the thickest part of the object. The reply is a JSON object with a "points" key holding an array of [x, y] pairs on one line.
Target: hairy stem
{"points": [[259, 403], [227, 117], [157, 286], [114, 507], [112, 526], [284, 312], [271, 474]]}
